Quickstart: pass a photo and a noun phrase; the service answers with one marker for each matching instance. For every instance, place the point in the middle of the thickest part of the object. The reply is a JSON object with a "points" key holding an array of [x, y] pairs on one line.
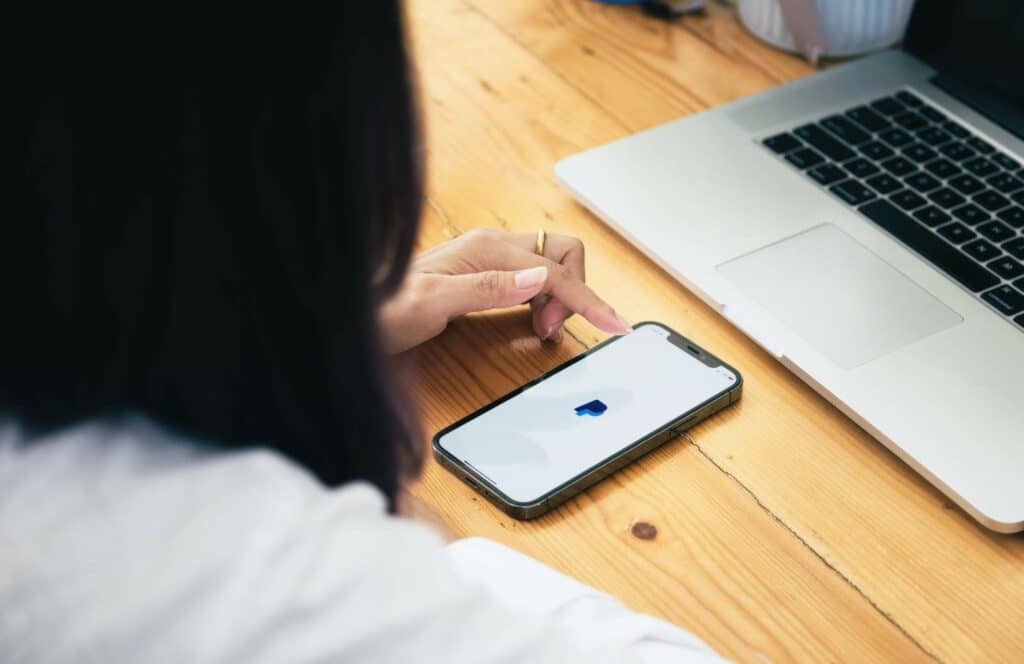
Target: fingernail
{"points": [[625, 326], [554, 333], [529, 278]]}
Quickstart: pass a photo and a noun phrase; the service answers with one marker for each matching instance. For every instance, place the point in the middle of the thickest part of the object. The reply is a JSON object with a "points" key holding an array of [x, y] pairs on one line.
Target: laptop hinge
{"points": [[992, 106]]}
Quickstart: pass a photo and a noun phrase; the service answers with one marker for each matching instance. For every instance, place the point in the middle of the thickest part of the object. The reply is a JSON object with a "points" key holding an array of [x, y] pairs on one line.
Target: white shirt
{"points": [[120, 542]]}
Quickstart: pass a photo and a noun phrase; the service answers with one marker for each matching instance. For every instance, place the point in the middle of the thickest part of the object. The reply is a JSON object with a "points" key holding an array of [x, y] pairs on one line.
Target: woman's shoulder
{"points": [[132, 455], [131, 524], [121, 541], [118, 469]]}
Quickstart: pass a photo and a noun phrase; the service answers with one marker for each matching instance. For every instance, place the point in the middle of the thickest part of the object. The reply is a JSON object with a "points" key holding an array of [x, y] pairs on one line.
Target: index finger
{"points": [[550, 312], [561, 283]]}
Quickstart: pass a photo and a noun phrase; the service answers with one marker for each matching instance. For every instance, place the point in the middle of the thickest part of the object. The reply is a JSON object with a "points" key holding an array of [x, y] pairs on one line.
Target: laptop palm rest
{"points": [[838, 296]]}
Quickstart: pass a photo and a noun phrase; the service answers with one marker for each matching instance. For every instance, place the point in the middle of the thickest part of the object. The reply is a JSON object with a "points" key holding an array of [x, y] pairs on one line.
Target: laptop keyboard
{"points": [[929, 182]]}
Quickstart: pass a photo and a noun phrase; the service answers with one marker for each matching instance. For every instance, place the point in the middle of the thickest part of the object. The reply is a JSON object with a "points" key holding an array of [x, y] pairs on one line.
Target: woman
{"points": [[209, 217]]}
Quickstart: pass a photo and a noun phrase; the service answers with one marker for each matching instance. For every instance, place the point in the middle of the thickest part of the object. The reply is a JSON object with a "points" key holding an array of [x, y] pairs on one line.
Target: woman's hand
{"points": [[487, 269]]}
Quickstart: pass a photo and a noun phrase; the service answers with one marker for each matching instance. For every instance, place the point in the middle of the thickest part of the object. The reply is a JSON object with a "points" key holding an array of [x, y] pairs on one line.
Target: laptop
{"points": [[864, 225]]}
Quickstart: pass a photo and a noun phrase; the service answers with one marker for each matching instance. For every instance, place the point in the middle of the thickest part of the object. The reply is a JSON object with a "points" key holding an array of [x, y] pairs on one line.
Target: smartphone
{"points": [[547, 441]]}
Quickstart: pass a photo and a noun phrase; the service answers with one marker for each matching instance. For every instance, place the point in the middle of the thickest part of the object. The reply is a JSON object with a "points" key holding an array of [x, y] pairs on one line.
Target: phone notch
{"points": [[726, 373], [687, 346], [660, 331]]}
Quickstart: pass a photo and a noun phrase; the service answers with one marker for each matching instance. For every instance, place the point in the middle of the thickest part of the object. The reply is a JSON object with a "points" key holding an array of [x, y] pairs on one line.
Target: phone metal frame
{"points": [[605, 468]]}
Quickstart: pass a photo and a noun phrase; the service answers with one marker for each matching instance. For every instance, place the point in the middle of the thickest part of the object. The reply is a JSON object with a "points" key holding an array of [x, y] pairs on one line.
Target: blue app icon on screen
{"points": [[594, 408]]}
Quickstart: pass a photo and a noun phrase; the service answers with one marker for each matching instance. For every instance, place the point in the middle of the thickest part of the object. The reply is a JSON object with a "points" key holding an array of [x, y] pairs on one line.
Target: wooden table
{"points": [[784, 531]]}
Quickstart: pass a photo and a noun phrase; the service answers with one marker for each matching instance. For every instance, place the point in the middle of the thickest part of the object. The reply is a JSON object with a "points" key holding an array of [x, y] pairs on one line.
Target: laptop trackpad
{"points": [[841, 298]]}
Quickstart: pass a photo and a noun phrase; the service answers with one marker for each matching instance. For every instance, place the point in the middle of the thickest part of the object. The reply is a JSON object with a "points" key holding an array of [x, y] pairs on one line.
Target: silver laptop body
{"points": [[929, 368]]}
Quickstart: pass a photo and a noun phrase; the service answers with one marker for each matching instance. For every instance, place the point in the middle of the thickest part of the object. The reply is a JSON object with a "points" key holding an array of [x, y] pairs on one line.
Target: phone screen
{"points": [[554, 430]]}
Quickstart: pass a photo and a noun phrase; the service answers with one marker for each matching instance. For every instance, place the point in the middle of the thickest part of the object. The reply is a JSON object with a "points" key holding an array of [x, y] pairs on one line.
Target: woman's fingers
{"points": [[486, 269], [550, 309], [564, 282], [427, 302], [549, 316], [492, 289], [577, 297], [555, 246], [544, 330]]}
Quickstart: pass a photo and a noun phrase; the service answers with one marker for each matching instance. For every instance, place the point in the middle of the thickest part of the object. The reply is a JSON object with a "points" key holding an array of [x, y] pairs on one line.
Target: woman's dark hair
{"points": [[203, 206]]}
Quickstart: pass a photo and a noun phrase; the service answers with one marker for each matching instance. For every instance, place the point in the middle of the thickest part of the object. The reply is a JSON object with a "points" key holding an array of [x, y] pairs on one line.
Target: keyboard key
{"points": [[867, 118], [996, 231], [884, 184], [896, 137], [909, 99], [1015, 247], [1005, 183], [853, 192], [1019, 320], [980, 167], [845, 130], [781, 143], [875, 150], [979, 145], [932, 114], [971, 214], [981, 250], [922, 182], [1006, 299], [919, 152], [957, 233], [991, 201], [911, 121], [1018, 197], [1007, 268], [931, 216], [934, 136], [907, 200], [804, 158], [860, 167], [943, 168], [1006, 161], [1013, 216], [956, 130], [956, 151], [899, 166], [1019, 285], [824, 142], [950, 260], [887, 106], [966, 184], [826, 174], [946, 198]]}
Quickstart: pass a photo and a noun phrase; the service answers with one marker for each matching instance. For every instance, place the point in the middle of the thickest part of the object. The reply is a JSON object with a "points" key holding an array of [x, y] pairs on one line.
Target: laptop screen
{"points": [[977, 46]]}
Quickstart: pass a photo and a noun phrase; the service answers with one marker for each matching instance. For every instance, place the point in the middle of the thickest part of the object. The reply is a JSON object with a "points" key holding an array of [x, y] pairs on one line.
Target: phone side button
{"points": [[678, 429]]}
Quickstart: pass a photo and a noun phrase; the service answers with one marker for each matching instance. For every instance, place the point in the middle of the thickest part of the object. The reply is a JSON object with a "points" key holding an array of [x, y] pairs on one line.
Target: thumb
{"points": [[494, 289]]}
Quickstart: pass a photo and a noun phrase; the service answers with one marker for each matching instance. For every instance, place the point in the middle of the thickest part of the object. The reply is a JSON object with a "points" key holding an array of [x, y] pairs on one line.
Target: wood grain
{"points": [[641, 70], [784, 531], [719, 564]]}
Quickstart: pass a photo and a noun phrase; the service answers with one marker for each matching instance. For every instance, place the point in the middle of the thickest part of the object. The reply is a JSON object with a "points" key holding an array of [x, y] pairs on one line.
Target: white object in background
{"points": [[850, 27]]}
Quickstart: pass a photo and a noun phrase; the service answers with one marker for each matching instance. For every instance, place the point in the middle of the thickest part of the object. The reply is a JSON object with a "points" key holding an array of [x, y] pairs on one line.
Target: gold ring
{"points": [[542, 239]]}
